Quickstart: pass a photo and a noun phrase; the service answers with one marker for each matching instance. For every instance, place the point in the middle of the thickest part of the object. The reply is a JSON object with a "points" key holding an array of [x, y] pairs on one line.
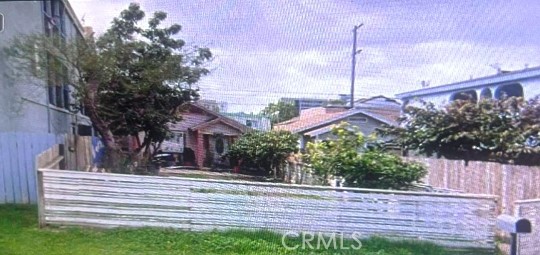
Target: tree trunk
{"points": [[113, 154]]}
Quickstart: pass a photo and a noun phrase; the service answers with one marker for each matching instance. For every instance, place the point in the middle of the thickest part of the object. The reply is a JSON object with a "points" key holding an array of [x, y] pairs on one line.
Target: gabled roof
{"points": [[390, 115], [309, 120], [219, 120], [350, 113], [474, 83], [320, 131], [309, 117], [364, 100], [196, 123]]}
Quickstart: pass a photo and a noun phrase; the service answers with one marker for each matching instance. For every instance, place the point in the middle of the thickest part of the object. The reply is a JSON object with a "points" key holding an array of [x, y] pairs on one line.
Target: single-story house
{"points": [[368, 115], [203, 136]]}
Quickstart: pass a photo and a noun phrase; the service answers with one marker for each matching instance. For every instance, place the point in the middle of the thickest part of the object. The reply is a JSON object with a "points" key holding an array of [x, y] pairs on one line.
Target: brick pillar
{"points": [[199, 151]]}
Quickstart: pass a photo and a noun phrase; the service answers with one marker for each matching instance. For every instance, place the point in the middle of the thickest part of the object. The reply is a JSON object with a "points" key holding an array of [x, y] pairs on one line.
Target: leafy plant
{"points": [[264, 150], [280, 112], [505, 131], [348, 156]]}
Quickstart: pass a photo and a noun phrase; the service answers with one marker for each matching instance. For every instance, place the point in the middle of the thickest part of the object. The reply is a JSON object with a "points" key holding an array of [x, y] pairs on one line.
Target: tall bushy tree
{"points": [[505, 130], [347, 156], [265, 150], [130, 80], [280, 111]]}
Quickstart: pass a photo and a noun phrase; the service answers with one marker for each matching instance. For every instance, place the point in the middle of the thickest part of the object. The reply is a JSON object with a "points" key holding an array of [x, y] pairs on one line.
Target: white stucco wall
{"points": [[531, 89]]}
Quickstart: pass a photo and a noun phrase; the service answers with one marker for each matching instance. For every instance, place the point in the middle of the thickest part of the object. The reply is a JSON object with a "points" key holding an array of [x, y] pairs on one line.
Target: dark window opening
{"points": [[206, 141], [52, 97], [512, 90], [67, 97], [59, 96], [84, 130], [486, 94], [220, 145], [358, 119]]}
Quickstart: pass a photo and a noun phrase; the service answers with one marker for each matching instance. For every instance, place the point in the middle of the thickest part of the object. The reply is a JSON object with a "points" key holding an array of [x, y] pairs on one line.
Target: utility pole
{"points": [[354, 53]]}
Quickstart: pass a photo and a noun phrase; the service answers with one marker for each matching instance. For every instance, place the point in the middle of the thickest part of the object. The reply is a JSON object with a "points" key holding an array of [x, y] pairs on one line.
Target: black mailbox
{"points": [[514, 225]]}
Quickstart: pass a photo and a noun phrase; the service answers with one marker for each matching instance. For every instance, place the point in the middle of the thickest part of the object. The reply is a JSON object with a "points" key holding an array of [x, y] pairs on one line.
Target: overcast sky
{"points": [[265, 50]]}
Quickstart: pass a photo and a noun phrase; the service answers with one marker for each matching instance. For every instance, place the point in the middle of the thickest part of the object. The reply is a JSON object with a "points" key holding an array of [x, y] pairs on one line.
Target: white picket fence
{"points": [[113, 200], [530, 209]]}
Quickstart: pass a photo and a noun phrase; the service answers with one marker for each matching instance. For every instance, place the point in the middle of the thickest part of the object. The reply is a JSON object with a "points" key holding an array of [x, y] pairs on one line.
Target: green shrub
{"points": [[348, 157], [264, 150]]}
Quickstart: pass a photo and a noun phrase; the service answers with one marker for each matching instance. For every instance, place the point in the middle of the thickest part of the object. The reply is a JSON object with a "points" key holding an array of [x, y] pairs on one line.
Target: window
{"points": [[486, 94], [512, 90], [59, 96], [358, 119], [58, 89], [177, 137], [220, 145], [175, 143], [84, 130], [54, 21], [51, 79], [1, 22], [251, 123], [66, 93]]}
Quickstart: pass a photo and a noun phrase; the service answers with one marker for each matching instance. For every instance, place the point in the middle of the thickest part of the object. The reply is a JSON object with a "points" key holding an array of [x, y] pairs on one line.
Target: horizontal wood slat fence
{"points": [[529, 209], [114, 200]]}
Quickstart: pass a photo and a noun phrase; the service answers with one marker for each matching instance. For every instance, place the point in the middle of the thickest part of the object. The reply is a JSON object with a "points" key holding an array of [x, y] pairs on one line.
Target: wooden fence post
{"points": [[504, 190], [41, 199]]}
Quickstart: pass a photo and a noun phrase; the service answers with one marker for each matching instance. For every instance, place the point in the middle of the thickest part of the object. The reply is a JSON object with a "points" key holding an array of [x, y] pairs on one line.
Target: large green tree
{"points": [[264, 150], [280, 111], [130, 80], [505, 130], [348, 156]]}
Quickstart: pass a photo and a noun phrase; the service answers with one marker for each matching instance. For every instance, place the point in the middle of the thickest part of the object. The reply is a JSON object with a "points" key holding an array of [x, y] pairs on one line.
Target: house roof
{"points": [[319, 131], [193, 121], [216, 121], [385, 114], [310, 117], [368, 99], [319, 117], [474, 83]]}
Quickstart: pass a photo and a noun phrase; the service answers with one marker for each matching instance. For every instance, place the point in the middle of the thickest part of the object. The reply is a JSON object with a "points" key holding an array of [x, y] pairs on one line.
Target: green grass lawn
{"points": [[19, 234]]}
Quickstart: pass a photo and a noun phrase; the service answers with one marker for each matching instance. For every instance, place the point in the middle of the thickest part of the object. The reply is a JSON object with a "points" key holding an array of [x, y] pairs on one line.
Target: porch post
{"points": [[199, 152]]}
